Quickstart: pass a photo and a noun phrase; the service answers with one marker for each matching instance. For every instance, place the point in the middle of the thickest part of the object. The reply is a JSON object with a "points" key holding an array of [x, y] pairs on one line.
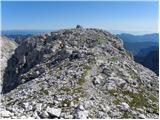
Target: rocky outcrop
{"points": [[78, 73], [7, 49]]}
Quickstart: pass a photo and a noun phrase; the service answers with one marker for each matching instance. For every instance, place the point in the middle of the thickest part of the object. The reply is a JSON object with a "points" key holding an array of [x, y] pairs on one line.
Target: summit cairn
{"points": [[79, 27]]}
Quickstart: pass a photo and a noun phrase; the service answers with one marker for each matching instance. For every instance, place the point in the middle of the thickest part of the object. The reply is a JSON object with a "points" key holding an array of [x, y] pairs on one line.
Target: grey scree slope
{"points": [[77, 73]]}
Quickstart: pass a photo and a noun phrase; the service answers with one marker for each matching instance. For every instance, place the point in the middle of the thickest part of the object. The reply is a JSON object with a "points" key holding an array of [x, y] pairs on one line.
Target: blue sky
{"points": [[124, 16]]}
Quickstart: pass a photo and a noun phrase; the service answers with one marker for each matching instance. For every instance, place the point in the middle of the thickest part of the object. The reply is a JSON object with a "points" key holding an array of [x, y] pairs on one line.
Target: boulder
{"points": [[141, 116], [81, 114], [124, 106], [5, 114], [54, 111]]}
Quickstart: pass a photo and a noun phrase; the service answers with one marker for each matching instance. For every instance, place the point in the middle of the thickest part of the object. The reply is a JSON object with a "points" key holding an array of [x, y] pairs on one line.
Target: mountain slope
{"points": [[78, 73], [149, 60], [139, 38], [136, 47], [7, 49], [141, 46], [146, 51]]}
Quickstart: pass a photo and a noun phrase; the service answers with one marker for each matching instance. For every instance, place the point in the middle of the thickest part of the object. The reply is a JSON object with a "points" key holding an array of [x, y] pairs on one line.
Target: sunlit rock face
{"points": [[7, 49]]}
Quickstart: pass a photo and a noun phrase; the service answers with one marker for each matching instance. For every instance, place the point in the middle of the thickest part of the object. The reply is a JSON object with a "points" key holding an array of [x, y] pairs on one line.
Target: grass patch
{"points": [[66, 89], [117, 101], [153, 98], [113, 92], [138, 99], [67, 102], [155, 110], [77, 99], [87, 67], [77, 90], [126, 114], [81, 80], [50, 72], [114, 58], [60, 66], [83, 39]]}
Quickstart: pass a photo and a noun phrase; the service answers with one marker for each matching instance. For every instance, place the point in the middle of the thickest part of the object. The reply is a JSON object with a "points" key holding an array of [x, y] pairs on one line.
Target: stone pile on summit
{"points": [[77, 73]]}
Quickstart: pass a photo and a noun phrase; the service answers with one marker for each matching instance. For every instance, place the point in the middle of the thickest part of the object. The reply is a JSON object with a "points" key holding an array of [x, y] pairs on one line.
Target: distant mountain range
{"points": [[22, 32], [145, 49], [131, 32], [139, 38], [136, 47]]}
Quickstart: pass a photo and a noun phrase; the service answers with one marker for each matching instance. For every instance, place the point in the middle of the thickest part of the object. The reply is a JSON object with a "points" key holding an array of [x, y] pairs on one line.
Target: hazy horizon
{"points": [[29, 31], [51, 15]]}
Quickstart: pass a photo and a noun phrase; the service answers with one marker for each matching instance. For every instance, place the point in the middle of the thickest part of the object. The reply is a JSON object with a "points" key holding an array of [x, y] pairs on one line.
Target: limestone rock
{"points": [[54, 111], [7, 49], [81, 114], [5, 114], [124, 106], [141, 116]]}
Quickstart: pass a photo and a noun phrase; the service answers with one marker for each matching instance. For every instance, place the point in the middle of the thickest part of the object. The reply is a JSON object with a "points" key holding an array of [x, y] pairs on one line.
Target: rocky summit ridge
{"points": [[77, 73]]}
